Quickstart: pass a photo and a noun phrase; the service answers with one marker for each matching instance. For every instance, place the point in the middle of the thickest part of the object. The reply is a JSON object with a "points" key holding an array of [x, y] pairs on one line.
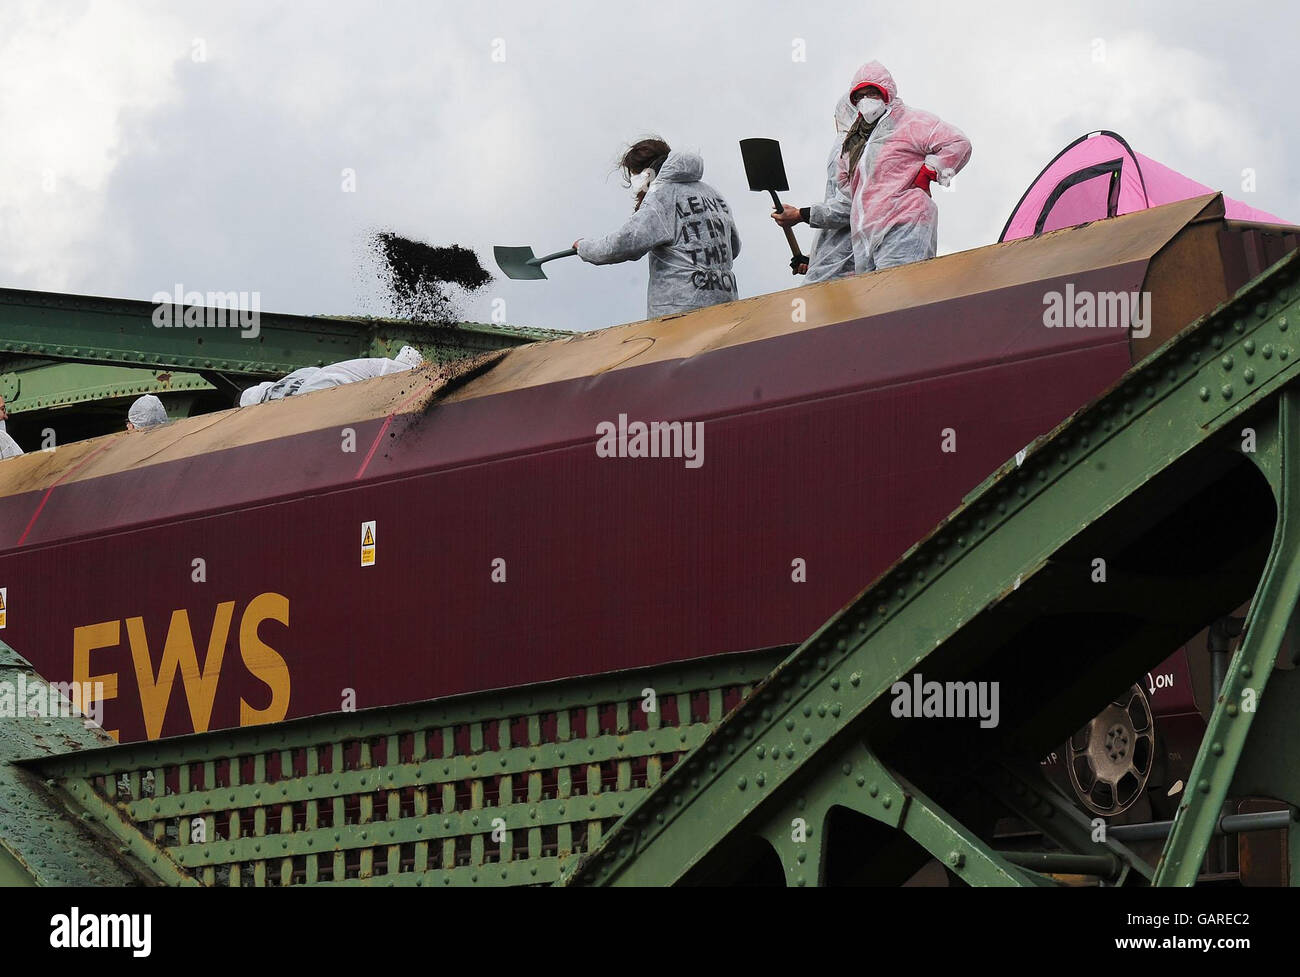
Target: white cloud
{"points": [[69, 76]]}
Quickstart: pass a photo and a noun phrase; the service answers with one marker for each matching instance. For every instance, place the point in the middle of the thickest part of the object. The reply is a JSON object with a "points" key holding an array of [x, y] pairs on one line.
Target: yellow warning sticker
{"points": [[4, 605], [368, 544]]}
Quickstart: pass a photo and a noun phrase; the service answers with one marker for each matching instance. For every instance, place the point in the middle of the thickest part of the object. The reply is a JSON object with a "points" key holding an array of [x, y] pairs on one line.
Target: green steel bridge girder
{"points": [[41, 384], [1107, 482], [496, 788], [1241, 699], [861, 783], [41, 841], [123, 333]]}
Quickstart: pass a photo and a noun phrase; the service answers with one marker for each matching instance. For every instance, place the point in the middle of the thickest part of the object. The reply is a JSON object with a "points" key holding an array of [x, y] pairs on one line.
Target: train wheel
{"points": [[1110, 759]]}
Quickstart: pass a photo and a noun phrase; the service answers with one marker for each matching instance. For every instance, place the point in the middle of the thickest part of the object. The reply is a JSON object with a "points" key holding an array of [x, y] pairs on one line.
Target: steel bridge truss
{"points": [[1181, 484]]}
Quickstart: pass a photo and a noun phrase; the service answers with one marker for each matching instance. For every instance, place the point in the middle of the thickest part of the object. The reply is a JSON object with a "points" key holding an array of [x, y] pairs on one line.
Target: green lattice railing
{"points": [[500, 788]]}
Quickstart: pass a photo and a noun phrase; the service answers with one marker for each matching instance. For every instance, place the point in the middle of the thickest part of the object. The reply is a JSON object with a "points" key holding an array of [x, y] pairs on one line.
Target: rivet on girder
{"points": [[1203, 786], [1204, 392], [1226, 362], [1226, 390]]}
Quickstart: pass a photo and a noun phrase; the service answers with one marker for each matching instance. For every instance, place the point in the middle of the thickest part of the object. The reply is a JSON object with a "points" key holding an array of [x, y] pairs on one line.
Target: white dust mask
{"points": [[871, 108]]}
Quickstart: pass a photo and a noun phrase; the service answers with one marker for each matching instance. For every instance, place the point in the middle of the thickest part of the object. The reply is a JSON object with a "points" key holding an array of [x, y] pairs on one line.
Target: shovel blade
{"points": [[763, 165], [514, 263]]}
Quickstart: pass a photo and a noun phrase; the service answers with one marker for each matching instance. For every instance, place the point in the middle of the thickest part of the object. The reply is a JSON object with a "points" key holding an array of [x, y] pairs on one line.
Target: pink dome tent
{"points": [[1099, 175]]}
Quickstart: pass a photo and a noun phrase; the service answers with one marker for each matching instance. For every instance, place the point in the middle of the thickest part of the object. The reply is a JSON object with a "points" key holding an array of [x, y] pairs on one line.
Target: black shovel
{"points": [[519, 263], [765, 171]]}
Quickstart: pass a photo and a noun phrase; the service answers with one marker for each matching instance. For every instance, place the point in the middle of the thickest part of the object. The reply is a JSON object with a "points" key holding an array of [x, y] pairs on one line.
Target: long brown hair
{"points": [[648, 152]]}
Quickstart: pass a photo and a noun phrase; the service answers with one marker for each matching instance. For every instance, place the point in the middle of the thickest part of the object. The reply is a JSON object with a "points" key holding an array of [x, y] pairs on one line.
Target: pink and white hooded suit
{"points": [[892, 219]]}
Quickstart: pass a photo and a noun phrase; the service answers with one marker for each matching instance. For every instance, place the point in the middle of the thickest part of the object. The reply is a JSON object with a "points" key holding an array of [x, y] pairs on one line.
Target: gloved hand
{"points": [[787, 216], [799, 264], [925, 178]]}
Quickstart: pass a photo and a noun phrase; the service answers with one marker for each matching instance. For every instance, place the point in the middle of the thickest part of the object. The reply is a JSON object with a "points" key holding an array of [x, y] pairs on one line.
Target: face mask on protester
{"points": [[641, 181], [871, 108]]}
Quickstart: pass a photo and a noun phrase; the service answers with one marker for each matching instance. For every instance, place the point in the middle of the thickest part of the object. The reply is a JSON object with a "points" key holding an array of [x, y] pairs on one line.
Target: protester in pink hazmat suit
{"points": [[890, 156], [832, 253]]}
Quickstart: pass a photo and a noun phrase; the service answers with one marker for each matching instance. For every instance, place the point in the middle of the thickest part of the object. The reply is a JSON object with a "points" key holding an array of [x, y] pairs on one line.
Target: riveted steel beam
{"points": [[42, 842], [1032, 798], [126, 332], [1246, 683], [953, 587], [155, 857], [48, 383], [855, 779]]}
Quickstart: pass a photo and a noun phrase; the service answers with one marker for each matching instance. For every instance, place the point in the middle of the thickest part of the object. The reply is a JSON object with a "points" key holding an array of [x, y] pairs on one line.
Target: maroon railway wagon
{"points": [[216, 572]]}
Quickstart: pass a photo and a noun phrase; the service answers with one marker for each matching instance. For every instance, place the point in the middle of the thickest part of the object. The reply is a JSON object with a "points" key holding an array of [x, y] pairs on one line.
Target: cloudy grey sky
{"points": [[149, 144]]}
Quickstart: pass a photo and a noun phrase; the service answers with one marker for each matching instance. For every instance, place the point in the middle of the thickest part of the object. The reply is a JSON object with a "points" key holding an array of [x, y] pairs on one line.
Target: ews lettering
{"points": [[179, 654]]}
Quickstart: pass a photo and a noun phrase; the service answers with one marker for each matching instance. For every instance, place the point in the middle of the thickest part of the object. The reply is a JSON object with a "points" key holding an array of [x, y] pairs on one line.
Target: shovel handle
{"points": [[789, 234], [550, 257]]}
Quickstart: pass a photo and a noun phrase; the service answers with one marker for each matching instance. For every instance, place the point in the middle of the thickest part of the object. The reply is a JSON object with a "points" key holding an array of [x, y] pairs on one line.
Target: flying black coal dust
{"points": [[423, 282]]}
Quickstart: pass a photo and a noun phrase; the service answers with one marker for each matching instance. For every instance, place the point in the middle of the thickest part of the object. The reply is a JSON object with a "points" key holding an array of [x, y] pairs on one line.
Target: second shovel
{"points": [[765, 171]]}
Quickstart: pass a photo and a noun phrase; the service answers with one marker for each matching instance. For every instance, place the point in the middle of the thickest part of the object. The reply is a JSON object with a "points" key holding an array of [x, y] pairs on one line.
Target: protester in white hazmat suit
{"points": [[832, 250], [681, 222], [8, 446], [145, 412], [311, 378], [350, 371], [255, 395], [889, 158]]}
